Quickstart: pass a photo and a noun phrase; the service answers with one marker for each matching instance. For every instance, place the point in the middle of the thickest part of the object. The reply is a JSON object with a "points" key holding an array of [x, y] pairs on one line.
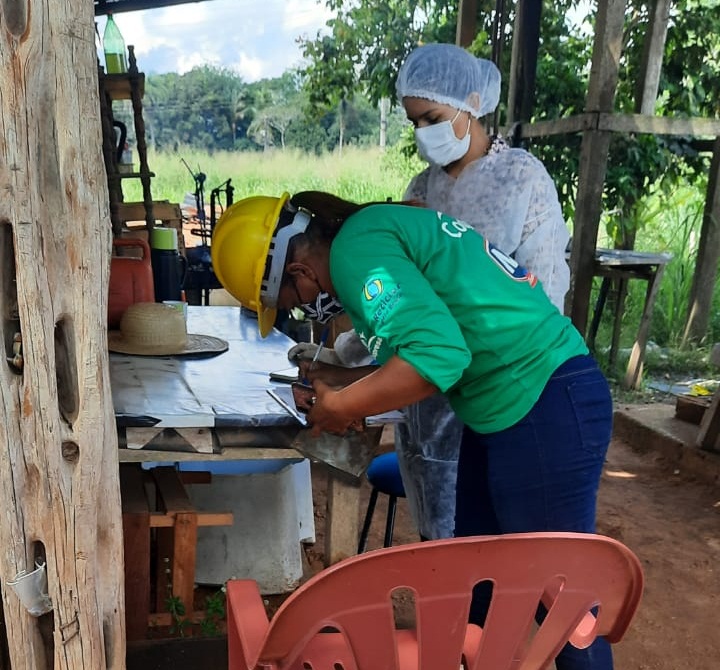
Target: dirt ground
{"points": [[671, 521]]}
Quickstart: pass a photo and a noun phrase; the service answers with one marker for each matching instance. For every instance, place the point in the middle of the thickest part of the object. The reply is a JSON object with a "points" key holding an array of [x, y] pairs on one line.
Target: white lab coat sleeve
{"points": [[544, 239]]}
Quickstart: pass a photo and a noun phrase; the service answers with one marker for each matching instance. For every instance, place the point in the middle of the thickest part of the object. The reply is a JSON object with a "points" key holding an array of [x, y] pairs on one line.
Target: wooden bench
{"points": [[168, 214], [174, 521]]}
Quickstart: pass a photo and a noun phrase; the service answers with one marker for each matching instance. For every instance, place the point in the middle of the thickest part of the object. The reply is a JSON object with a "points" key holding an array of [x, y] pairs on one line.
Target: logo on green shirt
{"points": [[372, 289]]}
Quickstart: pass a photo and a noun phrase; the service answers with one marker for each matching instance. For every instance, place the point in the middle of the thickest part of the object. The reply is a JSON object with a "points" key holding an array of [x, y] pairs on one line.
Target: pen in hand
{"points": [[318, 351]]}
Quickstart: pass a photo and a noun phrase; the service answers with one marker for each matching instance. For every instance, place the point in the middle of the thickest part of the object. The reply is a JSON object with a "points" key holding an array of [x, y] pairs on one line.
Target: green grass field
{"points": [[358, 174]]}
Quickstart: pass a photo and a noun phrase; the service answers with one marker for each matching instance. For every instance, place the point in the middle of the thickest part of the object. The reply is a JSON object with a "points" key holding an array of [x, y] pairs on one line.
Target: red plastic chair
{"points": [[571, 573]]}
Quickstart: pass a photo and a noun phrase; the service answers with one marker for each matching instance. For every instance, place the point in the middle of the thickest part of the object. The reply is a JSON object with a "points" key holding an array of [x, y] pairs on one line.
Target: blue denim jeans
{"points": [[541, 474]]}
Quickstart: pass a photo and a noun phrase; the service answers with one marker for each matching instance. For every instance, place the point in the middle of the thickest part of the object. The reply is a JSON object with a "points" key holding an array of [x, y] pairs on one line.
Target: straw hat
{"points": [[155, 329]]}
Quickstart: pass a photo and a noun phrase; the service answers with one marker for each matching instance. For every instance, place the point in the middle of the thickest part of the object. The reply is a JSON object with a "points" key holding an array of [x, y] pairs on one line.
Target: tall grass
{"points": [[360, 175]]}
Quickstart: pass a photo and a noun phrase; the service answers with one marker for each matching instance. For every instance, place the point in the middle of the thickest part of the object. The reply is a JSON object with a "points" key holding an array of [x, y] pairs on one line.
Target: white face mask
{"points": [[438, 143]]}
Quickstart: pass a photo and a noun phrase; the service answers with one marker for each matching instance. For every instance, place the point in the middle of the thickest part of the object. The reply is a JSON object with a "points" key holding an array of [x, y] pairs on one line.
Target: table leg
{"points": [[621, 285], [709, 434], [597, 313], [343, 517], [637, 355], [136, 539]]}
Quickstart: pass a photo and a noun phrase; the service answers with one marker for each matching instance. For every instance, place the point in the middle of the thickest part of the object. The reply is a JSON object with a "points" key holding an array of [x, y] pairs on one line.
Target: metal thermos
{"points": [[167, 264]]}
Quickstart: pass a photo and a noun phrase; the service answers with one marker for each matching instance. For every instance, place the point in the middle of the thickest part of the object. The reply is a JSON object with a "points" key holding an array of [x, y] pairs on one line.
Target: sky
{"points": [[255, 38]]}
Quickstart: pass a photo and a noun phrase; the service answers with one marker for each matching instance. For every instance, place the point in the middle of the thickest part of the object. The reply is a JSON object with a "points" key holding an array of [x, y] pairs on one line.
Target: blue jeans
{"points": [[541, 474]]}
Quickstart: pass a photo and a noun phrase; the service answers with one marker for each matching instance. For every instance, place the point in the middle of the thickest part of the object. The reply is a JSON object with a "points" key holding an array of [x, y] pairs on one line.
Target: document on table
{"points": [[284, 397]]}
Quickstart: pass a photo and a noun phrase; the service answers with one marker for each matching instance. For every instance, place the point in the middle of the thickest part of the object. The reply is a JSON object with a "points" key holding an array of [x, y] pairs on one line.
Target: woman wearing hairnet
{"points": [[506, 195]]}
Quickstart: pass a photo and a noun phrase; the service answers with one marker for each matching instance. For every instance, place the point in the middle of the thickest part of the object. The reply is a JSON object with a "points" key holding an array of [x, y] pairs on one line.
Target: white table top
{"points": [[224, 391]]}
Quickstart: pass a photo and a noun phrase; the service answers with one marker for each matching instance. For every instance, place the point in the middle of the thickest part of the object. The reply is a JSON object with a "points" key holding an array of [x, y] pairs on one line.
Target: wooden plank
{"points": [[204, 519], [691, 409], [633, 375], [163, 210], [523, 66], [619, 123], [569, 124], [658, 125], [342, 518], [136, 540], [593, 165], [227, 454], [184, 557], [653, 50], [709, 434], [117, 86], [179, 440], [172, 496], [163, 567]]}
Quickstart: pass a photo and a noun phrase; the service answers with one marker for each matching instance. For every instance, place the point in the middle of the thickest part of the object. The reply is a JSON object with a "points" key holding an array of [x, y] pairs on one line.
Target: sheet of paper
{"points": [[284, 397]]}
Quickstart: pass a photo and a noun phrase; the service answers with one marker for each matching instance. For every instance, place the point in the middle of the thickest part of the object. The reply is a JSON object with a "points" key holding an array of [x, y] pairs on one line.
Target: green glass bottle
{"points": [[114, 48]]}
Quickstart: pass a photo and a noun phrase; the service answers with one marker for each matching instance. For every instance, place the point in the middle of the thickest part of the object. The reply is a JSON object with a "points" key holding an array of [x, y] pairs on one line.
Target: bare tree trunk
{"points": [[384, 104], [59, 488], [341, 124]]}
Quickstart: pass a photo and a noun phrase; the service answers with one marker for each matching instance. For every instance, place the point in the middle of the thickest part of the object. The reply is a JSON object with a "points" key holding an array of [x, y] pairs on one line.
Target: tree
{"points": [[362, 54], [200, 108]]}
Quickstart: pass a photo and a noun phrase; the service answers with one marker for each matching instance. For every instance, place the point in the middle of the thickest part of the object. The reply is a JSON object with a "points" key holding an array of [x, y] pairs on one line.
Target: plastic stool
{"points": [[384, 476]]}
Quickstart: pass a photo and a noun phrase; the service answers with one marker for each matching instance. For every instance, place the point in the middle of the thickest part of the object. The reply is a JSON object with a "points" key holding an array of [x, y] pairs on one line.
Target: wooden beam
{"points": [[706, 266], [658, 125], [620, 123], [136, 540], [523, 66], [653, 50], [466, 23], [593, 158], [204, 519], [59, 484], [343, 501]]}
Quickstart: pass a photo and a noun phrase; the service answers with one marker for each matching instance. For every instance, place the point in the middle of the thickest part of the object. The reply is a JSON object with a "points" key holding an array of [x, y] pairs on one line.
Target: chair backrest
{"points": [[571, 573]]}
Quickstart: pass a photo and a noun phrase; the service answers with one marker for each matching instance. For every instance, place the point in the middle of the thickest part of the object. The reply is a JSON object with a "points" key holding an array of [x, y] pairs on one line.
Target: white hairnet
{"points": [[448, 74]]}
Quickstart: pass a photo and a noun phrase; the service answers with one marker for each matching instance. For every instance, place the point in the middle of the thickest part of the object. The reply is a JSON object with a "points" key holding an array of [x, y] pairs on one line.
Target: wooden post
{"points": [[652, 58], [466, 23], [523, 66], [59, 489], [706, 268], [593, 157]]}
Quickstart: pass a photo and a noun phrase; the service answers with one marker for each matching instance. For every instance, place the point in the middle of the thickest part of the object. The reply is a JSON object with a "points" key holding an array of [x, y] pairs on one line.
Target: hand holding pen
{"points": [[318, 351]]}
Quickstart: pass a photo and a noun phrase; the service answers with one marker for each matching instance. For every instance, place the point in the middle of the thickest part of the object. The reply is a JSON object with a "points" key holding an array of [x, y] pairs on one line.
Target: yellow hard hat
{"points": [[249, 249]]}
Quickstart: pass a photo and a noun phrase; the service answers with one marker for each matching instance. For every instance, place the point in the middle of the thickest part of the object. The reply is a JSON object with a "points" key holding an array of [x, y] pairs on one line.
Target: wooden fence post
{"points": [[59, 489]]}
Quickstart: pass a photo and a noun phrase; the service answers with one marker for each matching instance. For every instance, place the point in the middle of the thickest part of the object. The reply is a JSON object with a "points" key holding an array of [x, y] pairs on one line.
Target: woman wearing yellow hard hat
{"points": [[440, 308]]}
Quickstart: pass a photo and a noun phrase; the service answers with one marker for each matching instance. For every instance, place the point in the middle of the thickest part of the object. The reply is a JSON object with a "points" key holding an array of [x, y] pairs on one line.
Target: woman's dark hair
{"points": [[329, 213]]}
